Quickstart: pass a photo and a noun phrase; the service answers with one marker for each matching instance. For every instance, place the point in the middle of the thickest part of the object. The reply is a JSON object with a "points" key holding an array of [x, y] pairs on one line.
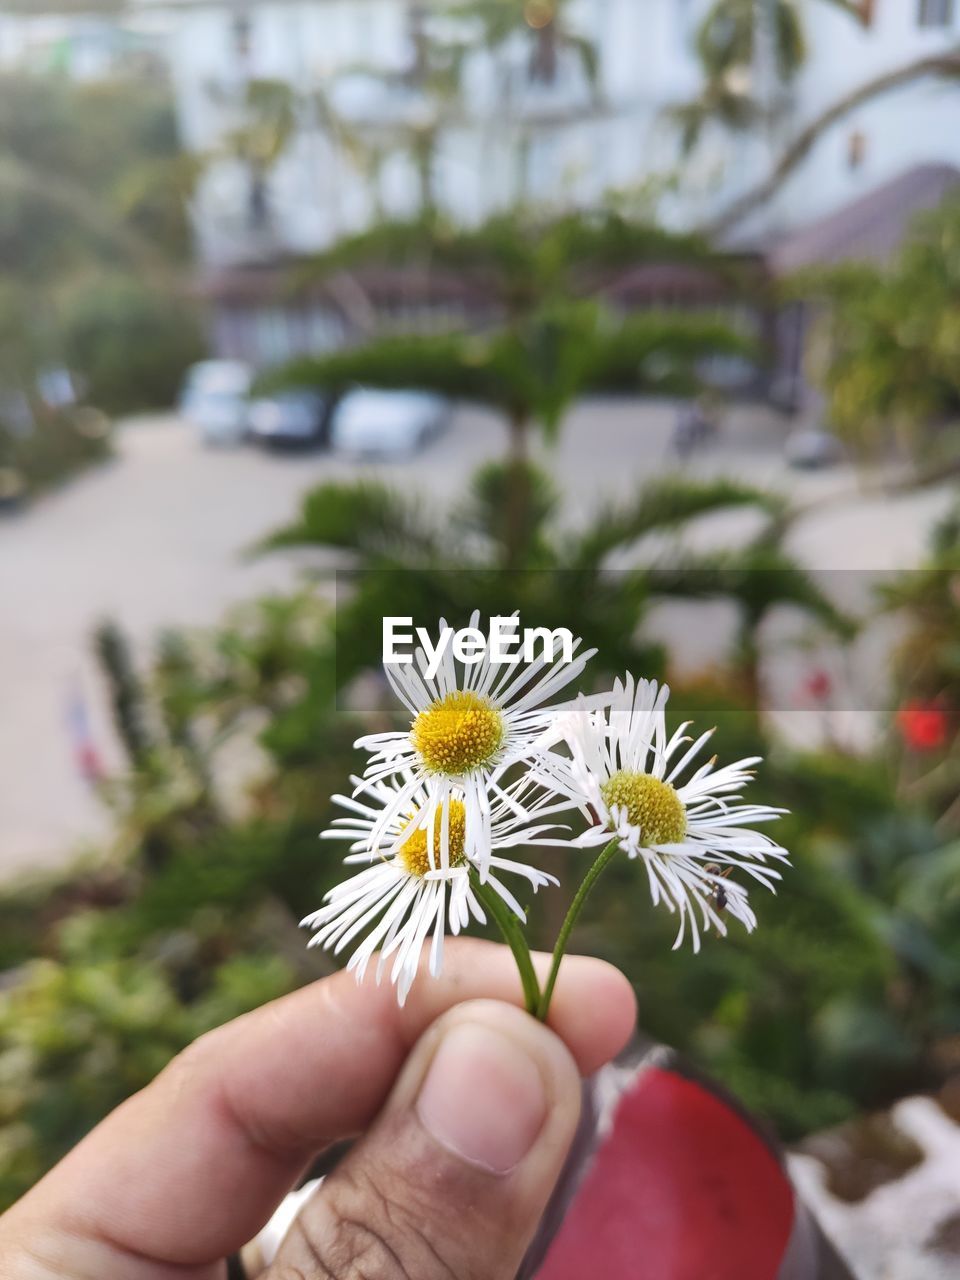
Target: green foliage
{"points": [[126, 692], [727, 38], [726, 47], [928, 661], [66, 149], [269, 125], [485, 511], [93, 227], [726, 50], [131, 342], [668, 504], [532, 372], [843, 999], [192, 921], [550, 333], [926, 671], [845, 994], [79, 1036], [839, 1001], [57, 443], [889, 342], [519, 260], [503, 549], [40, 444]]}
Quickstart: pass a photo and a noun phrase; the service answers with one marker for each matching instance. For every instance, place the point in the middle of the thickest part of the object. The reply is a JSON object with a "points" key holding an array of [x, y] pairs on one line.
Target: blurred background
{"points": [[641, 316]]}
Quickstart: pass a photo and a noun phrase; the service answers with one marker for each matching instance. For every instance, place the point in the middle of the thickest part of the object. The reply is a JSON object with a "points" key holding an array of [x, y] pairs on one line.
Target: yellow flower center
{"points": [[458, 733], [651, 805], [413, 852]]}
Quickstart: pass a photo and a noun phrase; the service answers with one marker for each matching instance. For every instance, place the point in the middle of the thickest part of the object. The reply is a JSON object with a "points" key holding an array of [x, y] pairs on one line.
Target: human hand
{"points": [[465, 1104]]}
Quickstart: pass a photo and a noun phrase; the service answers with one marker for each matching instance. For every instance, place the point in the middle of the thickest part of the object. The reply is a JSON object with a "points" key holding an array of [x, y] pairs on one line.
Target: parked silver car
{"points": [[215, 400], [385, 424]]}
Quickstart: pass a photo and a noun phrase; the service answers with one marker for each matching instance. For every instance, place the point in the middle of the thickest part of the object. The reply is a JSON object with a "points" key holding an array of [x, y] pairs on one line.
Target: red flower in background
{"points": [[818, 686], [923, 726]]}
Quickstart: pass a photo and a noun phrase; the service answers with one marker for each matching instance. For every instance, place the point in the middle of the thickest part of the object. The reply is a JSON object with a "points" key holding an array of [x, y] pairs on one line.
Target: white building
{"points": [[349, 127], [509, 136], [505, 137], [883, 138]]}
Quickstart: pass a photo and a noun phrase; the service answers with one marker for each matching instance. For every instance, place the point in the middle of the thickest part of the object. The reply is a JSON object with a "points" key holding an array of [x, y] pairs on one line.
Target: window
{"points": [[935, 13]]}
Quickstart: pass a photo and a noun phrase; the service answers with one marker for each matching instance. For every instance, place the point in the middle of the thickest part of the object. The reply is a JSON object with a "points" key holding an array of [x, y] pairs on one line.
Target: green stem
{"points": [[576, 906], [510, 927]]}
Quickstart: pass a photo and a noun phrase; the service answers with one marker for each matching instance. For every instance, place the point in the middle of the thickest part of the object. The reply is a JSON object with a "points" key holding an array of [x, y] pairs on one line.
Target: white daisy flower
{"points": [[418, 880], [470, 724], [693, 835]]}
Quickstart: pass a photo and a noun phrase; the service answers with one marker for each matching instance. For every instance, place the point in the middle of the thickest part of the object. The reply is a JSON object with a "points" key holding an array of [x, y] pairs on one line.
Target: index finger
{"points": [[193, 1166]]}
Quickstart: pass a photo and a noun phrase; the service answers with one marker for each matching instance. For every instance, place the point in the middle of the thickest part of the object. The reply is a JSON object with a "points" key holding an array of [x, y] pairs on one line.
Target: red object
{"points": [[682, 1188], [818, 686], [89, 763], [923, 726]]}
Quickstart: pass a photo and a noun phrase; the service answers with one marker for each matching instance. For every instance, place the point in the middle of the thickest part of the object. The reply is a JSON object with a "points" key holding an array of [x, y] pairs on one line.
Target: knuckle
{"points": [[182, 1070], [364, 1233], [192, 1059]]}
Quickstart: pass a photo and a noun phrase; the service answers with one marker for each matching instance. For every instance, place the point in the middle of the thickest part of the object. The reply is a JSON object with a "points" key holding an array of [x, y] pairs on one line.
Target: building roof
{"points": [[871, 228], [291, 280]]}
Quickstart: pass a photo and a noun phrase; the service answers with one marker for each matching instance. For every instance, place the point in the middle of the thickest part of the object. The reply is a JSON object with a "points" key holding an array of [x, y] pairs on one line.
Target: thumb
{"points": [[455, 1173]]}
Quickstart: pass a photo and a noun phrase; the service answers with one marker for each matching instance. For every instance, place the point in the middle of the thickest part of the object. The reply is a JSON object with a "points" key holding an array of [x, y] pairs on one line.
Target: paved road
{"points": [[156, 538]]}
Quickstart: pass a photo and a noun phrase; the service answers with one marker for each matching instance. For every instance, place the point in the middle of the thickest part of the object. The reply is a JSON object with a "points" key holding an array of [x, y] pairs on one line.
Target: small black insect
{"points": [[719, 892]]}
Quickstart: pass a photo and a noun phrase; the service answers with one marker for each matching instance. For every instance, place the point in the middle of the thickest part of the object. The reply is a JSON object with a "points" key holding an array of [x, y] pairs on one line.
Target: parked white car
{"points": [[387, 424], [216, 400]]}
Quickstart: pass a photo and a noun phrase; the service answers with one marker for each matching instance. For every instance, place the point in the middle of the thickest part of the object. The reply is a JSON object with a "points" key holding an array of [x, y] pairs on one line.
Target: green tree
{"points": [[84, 172], [550, 336], [93, 216], [408, 562], [130, 342], [749, 52], [727, 48], [888, 345], [268, 118]]}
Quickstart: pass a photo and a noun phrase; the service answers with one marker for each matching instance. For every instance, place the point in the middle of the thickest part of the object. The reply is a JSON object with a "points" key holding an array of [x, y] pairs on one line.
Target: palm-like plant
{"points": [[545, 23], [401, 555], [428, 87], [728, 45], [728, 36], [405, 560], [549, 334], [425, 103], [267, 121], [733, 40]]}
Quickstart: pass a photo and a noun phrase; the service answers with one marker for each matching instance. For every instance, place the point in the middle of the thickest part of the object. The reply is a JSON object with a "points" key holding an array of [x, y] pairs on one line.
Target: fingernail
{"points": [[483, 1098]]}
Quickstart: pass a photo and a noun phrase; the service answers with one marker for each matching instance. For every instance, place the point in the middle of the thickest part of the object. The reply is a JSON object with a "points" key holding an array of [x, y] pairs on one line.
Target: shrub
{"points": [[129, 342]]}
